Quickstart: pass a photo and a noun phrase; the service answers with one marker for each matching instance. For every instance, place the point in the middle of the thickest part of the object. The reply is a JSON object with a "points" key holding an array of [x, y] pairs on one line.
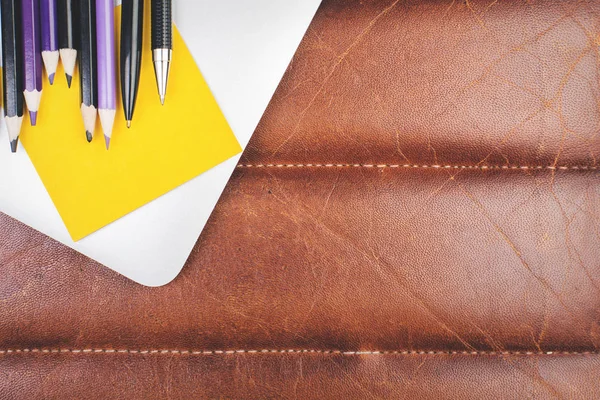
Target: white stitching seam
{"points": [[295, 351], [431, 166]]}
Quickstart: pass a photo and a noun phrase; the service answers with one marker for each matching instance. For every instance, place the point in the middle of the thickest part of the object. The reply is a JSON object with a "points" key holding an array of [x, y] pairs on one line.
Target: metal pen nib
{"points": [[162, 64]]}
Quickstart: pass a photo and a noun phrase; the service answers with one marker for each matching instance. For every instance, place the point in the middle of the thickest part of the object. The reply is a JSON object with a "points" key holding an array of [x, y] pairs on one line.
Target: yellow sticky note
{"points": [[165, 147]]}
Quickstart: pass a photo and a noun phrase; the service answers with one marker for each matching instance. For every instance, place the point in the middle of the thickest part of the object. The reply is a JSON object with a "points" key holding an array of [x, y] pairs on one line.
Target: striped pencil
{"points": [[107, 77], [12, 77], [50, 53], [32, 56]]}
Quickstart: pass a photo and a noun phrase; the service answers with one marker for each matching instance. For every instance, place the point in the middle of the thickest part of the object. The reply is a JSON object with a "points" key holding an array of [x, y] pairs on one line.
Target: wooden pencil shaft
{"points": [[32, 46], [67, 27], [49, 25], [107, 59], [132, 31], [12, 57], [88, 73]]}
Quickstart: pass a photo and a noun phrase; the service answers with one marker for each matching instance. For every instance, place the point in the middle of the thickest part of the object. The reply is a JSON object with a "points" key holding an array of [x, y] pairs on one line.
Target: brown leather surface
{"points": [[417, 216]]}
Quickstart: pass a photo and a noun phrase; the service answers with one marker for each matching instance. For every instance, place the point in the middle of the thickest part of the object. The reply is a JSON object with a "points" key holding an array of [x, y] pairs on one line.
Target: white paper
{"points": [[242, 48]]}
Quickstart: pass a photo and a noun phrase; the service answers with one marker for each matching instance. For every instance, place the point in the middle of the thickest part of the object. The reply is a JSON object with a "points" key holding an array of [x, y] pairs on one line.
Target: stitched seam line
{"points": [[294, 351], [426, 166]]}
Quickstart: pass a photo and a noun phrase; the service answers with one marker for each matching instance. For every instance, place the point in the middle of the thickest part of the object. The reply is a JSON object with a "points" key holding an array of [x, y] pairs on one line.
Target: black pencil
{"points": [[132, 28], [67, 35], [12, 77], [88, 69], [162, 43]]}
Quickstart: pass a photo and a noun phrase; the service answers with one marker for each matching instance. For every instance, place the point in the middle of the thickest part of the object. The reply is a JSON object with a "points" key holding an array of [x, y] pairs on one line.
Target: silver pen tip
{"points": [[162, 64]]}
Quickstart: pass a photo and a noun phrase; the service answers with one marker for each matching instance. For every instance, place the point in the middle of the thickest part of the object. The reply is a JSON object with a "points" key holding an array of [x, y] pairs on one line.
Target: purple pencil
{"points": [[50, 53], [107, 64], [32, 56]]}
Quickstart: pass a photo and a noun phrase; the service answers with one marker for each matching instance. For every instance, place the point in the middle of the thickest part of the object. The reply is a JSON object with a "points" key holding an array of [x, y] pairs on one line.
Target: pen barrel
{"points": [[12, 58], [88, 73], [132, 21], [162, 24]]}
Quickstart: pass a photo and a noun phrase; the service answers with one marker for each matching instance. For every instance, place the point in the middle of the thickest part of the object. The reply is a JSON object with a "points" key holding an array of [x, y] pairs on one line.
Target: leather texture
{"points": [[417, 216]]}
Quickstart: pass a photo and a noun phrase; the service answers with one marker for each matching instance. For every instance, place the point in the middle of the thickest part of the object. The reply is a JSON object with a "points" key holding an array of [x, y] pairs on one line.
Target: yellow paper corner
{"points": [[165, 147]]}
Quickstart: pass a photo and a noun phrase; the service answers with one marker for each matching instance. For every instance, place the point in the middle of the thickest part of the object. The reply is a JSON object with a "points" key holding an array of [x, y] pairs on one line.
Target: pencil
{"points": [[12, 77], [88, 72], [107, 82], [32, 56], [67, 36], [131, 54], [49, 37], [162, 44]]}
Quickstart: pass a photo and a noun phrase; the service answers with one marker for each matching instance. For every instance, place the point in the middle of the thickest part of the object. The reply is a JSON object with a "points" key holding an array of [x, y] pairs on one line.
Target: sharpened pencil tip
{"points": [[51, 78], [33, 117], [13, 145], [162, 100], [107, 141], [128, 124], [69, 79], [88, 136]]}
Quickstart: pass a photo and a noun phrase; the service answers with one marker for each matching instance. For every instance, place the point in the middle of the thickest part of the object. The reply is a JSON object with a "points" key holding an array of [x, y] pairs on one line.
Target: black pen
{"points": [[67, 36], [132, 31], [88, 69], [162, 43], [12, 77]]}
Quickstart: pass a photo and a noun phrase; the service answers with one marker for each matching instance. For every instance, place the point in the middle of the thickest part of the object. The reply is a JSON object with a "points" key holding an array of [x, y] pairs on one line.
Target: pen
{"points": [[107, 82], [32, 56], [131, 53], [49, 37], [88, 68], [162, 43], [67, 36], [12, 76]]}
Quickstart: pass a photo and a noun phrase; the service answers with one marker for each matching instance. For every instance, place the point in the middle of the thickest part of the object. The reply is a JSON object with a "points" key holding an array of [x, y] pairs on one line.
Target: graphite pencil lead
{"points": [[13, 126], [13, 145], [50, 59], [32, 99], [89, 120], [107, 120], [69, 59], [33, 117]]}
